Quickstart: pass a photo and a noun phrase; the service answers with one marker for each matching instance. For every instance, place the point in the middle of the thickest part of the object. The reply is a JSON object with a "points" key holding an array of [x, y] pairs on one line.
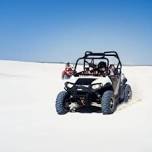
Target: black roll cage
{"points": [[104, 55]]}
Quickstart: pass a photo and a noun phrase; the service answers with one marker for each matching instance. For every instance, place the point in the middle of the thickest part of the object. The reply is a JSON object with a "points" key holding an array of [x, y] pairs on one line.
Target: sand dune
{"points": [[29, 122]]}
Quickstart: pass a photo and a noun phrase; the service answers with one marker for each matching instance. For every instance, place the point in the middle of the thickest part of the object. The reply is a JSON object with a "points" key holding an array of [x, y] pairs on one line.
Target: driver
{"points": [[102, 68]]}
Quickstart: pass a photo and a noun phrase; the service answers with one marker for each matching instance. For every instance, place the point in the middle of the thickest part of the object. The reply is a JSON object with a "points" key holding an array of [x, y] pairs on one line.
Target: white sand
{"points": [[29, 122]]}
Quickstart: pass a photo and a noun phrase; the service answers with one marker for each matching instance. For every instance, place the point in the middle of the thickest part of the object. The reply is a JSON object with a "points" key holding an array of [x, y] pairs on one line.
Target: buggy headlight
{"points": [[96, 86], [69, 85]]}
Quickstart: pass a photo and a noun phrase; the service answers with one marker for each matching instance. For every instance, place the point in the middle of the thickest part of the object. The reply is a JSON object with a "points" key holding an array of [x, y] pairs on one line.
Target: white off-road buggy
{"points": [[97, 81]]}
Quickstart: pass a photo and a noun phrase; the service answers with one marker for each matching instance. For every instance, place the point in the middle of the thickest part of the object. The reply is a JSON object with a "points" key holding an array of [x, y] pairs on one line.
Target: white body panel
{"points": [[102, 80]]}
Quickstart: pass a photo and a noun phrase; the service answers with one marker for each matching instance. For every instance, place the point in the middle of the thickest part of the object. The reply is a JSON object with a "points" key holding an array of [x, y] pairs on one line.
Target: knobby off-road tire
{"points": [[108, 103], [60, 103], [127, 93]]}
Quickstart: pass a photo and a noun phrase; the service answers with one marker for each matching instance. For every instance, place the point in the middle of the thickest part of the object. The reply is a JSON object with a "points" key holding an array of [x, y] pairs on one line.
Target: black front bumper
{"points": [[81, 91]]}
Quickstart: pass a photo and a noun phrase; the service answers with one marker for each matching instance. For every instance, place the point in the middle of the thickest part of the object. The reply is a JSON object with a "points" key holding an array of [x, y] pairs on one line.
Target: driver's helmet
{"points": [[102, 65]]}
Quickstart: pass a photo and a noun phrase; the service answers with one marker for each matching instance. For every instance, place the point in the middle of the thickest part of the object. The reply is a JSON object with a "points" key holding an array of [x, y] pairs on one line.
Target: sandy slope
{"points": [[28, 120]]}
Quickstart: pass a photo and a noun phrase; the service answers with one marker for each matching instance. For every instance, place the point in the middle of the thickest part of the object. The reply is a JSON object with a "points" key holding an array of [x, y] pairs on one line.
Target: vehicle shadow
{"points": [[94, 109], [90, 109]]}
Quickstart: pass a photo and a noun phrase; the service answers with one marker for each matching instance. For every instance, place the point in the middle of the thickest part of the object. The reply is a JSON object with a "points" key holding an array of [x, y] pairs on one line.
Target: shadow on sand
{"points": [[90, 109], [94, 109]]}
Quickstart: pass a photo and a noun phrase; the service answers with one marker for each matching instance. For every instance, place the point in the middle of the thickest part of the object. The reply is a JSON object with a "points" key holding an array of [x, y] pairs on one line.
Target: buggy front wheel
{"points": [[61, 102], [108, 103]]}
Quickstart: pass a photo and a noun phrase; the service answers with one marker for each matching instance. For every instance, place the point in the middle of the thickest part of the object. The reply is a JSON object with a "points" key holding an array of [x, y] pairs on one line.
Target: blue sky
{"points": [[61, 30]]}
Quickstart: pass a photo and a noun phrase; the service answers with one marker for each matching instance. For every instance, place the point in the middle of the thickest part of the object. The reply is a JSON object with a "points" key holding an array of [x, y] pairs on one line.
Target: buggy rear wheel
{"points": [[127, 93]]}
